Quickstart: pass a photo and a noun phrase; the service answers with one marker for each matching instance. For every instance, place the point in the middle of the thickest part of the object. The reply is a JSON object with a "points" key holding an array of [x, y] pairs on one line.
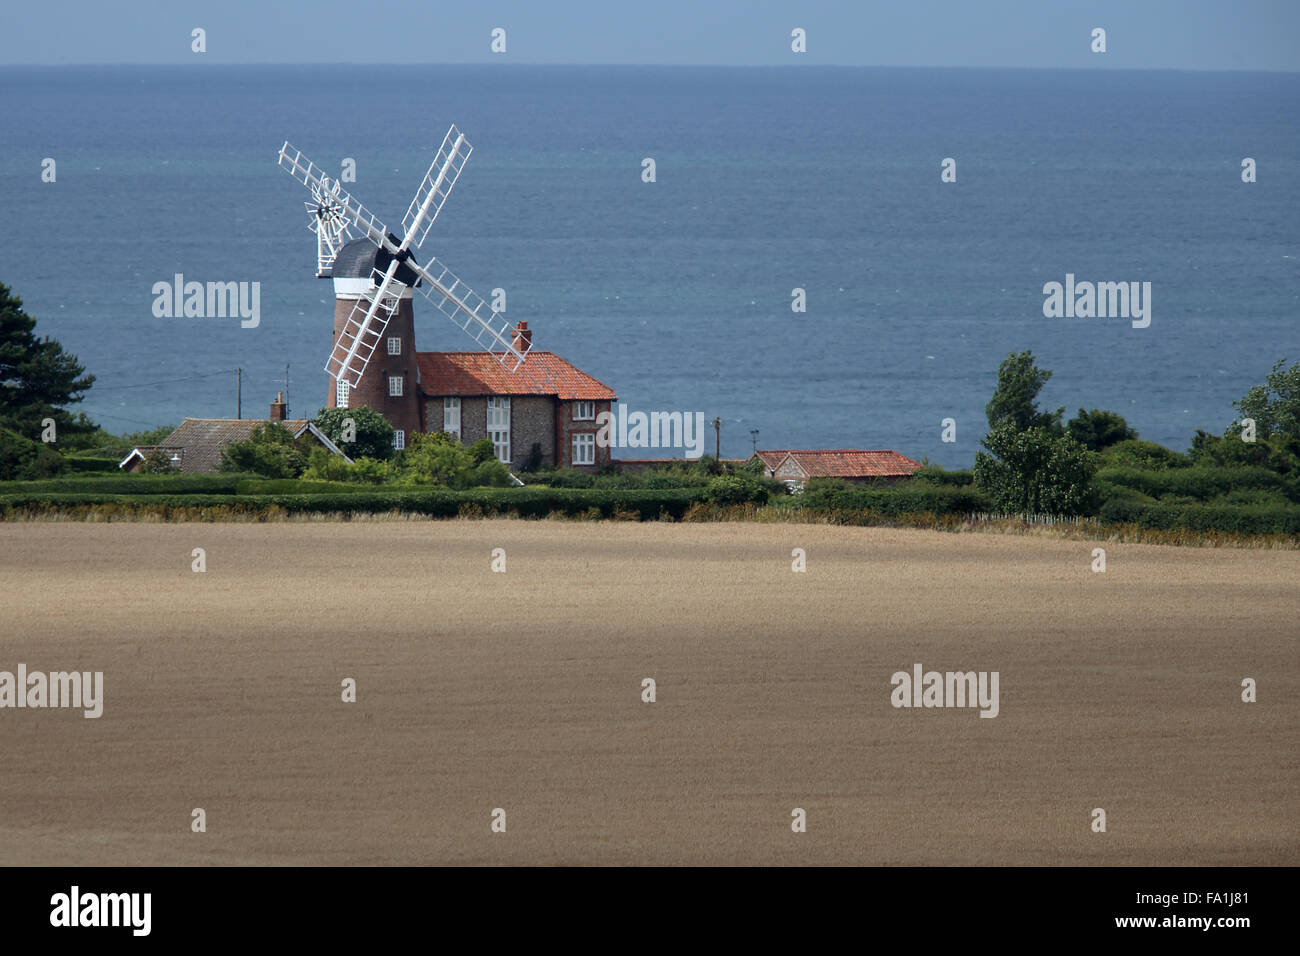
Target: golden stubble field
{"points": [[522, 690]]}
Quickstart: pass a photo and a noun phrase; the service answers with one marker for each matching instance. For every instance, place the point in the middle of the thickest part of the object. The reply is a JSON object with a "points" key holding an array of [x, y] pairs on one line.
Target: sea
{"points": [[679, 293]]}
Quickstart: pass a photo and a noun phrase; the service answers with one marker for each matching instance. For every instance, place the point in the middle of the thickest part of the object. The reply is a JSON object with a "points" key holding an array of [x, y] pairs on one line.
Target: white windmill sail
{"points": [[365, 326], [332, 228], [313, 177], [364, 329], [467, 309], [434, 189]]}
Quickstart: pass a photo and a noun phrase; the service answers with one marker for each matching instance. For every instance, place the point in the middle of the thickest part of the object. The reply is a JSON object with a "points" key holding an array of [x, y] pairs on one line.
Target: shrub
{"points": [[1240, 519], [1098, 429], [269, 451], [1197, 482], [157, 462], [84, 465], [735, 490], [1135, 453], [935, 474], [916, 497], [128, 484], [324, 465]]}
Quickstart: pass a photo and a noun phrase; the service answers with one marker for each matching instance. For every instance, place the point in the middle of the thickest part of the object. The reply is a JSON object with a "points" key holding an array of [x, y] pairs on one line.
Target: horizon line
{"points": [[717, 66]]}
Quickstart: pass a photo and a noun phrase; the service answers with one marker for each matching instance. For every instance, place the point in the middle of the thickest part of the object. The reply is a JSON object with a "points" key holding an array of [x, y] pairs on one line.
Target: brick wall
{"points": [[532, 419], [567, 427]]}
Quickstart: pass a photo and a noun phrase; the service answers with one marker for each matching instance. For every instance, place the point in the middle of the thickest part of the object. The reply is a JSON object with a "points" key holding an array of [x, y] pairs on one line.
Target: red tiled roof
{"points": [[849, 463], [772, 458], [478, 373]]}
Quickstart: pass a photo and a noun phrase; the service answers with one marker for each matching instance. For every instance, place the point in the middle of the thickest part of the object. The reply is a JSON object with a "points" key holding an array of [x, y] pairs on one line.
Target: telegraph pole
{"points": [[286, 391], [239, 393], [717, 439]]}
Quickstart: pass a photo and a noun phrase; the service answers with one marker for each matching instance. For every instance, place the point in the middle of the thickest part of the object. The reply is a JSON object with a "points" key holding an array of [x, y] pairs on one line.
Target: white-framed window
{"points": [[399, 439], [498, 426], [584, 411], [341, 390], [394, 345], [395, 386], [584, 449], [451, 417]]}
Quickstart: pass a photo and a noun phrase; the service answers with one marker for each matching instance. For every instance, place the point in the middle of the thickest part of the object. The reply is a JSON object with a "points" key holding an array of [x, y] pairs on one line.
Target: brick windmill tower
{"points": [[389, 382], [372, 361]]}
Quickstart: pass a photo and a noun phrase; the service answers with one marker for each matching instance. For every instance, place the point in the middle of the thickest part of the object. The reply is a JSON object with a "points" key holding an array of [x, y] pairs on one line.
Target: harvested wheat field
{"points": [[523, 691]]}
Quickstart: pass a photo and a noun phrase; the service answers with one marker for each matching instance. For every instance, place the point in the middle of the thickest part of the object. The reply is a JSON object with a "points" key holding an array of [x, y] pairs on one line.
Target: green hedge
{"points": [[80, 465], [300, 486], [128, 484], [908, 498], [1242, 519], [434, 502], [937, 475], [650, 479], [1202, 484]]}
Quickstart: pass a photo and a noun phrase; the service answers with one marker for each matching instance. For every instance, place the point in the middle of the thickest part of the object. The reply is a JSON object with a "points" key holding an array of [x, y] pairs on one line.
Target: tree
{"points": [[152, 436], [270, 451], [37, 378], [373, 434], [1015, 398], [1097, 429], [21, 458], [1035, 471], [1275, 405]]}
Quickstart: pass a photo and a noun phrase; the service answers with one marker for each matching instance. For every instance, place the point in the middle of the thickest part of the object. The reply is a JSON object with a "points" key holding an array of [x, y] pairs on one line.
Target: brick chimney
{"points": [[523, 339], [278, 408]]}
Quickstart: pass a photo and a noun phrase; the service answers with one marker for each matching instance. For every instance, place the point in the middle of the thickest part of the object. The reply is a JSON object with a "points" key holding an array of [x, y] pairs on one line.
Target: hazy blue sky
{"points": [[1141, 34]]}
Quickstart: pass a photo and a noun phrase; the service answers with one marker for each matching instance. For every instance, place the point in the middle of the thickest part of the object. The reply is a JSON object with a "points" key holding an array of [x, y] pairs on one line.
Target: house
{"points": [[547, 404], [795, 466], [194, 447]]}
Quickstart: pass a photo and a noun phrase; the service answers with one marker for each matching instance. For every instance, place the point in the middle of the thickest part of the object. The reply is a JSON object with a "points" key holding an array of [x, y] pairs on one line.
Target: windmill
{"points": [[389, 269]]}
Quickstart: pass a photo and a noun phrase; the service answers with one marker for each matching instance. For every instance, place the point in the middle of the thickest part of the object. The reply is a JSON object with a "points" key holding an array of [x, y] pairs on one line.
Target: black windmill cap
{"points": [[359, 258]]}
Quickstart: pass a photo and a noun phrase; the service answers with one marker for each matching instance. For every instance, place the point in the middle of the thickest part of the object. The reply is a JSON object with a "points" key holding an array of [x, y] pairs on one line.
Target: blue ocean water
{"points": [[677, 293]]}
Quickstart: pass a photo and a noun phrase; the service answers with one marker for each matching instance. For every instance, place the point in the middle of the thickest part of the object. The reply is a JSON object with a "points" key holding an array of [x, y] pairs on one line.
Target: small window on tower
{"points": [[395, 386], [399, 439], [341, 389], [394, 345]]}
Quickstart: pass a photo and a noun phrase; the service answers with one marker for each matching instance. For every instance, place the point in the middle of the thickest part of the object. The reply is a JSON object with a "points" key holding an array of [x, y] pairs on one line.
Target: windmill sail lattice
{"points": [[442, 175], [364, 329], [338, 212]]}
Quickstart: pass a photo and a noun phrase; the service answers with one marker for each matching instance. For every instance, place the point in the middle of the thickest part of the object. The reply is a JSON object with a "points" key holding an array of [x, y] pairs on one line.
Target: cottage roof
{"points": [[200, 440], [479, 373], [844, 462]]}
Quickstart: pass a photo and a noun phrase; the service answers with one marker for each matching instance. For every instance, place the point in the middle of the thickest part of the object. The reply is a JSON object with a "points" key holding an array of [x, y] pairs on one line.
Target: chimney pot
{"points": [[523, 339], [278, 409]]}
